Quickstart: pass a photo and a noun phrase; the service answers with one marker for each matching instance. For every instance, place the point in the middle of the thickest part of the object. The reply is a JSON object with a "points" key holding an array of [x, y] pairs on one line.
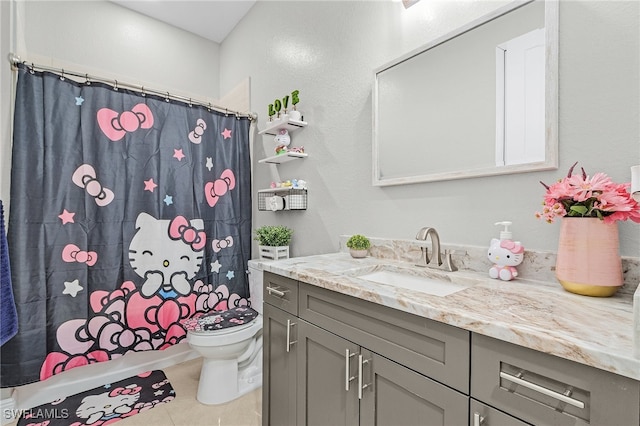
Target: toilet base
{"points": [[222, 381]]}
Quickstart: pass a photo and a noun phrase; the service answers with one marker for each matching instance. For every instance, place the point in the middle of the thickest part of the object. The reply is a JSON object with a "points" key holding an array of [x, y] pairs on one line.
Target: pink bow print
{"points": [[196, 134], [160, 384], [85, 177], [181, 229], [115, 125], [216, 189], [515, 248], [218, 245], [72, 253], [44, 423], [129, 390]]}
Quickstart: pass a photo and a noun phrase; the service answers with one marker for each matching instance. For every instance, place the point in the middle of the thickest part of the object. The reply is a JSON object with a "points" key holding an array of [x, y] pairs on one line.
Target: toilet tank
{"points": [[255, 285]]}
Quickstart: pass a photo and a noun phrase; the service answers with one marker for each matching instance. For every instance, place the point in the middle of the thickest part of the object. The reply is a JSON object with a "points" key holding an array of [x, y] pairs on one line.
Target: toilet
{"points": [[232, 356]]}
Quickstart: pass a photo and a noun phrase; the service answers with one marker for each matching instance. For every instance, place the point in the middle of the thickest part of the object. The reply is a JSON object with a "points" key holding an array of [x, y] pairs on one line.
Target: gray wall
{"points": [[328, 51]]}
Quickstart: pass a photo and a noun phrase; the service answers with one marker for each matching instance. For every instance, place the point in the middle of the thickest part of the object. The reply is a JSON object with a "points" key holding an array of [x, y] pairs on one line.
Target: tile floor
{"points": [[185, 410]]}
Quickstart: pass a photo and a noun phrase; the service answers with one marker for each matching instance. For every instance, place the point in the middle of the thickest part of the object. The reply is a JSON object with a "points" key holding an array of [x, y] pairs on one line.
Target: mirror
{"points": [[479, 101]]}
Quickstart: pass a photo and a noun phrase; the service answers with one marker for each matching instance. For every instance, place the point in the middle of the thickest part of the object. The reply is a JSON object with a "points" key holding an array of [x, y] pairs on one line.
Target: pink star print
{"points": [[177, 153], [67, 217], [226, 134], [149, 185]]}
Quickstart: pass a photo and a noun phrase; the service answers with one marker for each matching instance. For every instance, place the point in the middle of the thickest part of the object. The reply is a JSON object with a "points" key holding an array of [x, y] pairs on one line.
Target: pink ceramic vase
{"points": [[588, 259]]}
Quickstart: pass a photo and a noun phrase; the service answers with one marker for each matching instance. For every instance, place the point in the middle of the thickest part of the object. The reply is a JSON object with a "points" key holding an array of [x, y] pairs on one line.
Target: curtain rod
{"points": [[15, 60]]}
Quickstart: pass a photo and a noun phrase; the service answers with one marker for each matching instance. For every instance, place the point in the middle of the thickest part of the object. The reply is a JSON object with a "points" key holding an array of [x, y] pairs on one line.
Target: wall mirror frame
{"points": [[421, 152]]}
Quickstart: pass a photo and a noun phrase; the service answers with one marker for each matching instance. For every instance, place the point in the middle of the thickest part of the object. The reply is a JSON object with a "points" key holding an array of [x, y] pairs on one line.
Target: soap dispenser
{"points": [[505, 254]]}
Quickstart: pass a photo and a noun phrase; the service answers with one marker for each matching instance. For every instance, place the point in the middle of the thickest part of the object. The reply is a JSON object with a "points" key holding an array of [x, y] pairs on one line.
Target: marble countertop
{"points": [[534, 314]]}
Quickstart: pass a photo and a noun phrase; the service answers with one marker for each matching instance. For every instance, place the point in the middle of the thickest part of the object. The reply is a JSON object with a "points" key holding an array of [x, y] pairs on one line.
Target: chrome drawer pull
{"points": [[275, 291], [289, 342], [361, 386], [347, 369], [542, 390], [477, 419]]}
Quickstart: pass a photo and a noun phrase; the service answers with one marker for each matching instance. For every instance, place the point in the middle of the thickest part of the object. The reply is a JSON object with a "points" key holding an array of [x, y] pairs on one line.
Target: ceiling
{"points": [[211, 19]]}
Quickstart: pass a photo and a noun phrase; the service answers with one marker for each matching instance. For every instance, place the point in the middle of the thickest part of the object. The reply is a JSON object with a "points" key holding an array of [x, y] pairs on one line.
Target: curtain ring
{"points": [[209, 107], [167, 98], [62, 75], [31, 70], [226, 112], [115, 87], [190, 104], [87, 82], [237, 116]]}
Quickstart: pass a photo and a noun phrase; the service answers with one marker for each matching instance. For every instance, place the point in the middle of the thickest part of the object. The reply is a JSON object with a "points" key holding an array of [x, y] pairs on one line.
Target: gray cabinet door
{"points": [[395, 395], [323, 398], [279, 368]]}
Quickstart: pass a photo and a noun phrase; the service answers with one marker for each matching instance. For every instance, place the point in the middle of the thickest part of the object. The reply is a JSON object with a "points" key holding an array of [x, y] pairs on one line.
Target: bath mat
{"points": [[105, 404]]}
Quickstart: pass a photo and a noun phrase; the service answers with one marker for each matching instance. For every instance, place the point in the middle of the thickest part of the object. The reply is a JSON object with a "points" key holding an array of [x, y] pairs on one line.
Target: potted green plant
{"points": [[273, 241], [358, 245]]}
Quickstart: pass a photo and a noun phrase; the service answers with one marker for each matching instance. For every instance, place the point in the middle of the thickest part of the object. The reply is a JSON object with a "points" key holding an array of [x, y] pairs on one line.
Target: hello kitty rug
{"points": [[105, 404]]}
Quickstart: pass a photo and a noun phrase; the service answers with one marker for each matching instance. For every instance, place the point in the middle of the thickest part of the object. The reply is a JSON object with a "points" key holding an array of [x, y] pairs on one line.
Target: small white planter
{"points": [[274, 253], [358, 254]]}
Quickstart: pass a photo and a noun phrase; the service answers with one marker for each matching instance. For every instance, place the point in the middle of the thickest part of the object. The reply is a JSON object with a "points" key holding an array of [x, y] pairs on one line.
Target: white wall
{"points": [[103, 39], [328, 51]]}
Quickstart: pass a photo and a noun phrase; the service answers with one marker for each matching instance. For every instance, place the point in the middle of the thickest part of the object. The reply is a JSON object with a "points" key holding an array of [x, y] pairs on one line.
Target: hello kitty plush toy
{"points": [[506, 254], [283, 140]]}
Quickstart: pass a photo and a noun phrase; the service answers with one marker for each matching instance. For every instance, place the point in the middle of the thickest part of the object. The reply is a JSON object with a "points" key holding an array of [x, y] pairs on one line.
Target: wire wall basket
{"points": [[282, 199]]}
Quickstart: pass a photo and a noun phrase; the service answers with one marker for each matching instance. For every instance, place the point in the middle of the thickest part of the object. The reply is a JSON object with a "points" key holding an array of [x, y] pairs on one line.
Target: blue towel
{"points": [[8, 314]]}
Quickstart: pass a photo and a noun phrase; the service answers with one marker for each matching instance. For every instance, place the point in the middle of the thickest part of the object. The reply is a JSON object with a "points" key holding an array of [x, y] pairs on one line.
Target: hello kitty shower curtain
{"points": [[129, 214]]}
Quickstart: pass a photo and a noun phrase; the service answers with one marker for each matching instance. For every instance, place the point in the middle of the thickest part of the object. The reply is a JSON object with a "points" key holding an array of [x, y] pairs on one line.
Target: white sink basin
{"points": [[421, 283]]}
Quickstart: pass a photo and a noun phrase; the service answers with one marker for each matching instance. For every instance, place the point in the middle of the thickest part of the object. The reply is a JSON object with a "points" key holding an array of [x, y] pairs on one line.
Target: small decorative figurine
{"points": [[283, 140], [299, 184], [295, 114]]}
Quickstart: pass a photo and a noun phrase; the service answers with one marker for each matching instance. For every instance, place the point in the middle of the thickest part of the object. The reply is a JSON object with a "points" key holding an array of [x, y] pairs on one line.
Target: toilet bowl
{"points": [[231, 361], [231, 356]]}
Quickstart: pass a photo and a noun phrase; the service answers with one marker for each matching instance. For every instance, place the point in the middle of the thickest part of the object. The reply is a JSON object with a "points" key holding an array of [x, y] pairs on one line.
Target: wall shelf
{"points": [[287, 198], [283, 158], [283, 122]]}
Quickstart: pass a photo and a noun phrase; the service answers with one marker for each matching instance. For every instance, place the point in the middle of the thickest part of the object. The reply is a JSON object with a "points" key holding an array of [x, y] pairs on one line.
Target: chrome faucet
{"points": [[435, 260]]}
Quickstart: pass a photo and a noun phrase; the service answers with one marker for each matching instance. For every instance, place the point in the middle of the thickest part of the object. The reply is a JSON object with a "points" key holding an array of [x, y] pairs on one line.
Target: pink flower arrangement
{"points": [[584, 196]]}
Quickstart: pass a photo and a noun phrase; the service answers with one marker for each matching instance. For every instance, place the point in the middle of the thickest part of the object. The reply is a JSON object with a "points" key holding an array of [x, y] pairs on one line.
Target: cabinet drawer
{"points": [[431, 348], [544, 389], [281, 292], [482, 415]]}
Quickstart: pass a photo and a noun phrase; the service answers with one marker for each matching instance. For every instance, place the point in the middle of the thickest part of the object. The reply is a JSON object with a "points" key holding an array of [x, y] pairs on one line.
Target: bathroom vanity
{"points": [[340, 349]]}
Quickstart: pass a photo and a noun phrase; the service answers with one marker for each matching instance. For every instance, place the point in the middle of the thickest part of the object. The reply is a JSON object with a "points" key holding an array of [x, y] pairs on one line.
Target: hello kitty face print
{"points": [[108, 405], [283, 138], [506, 255], [167, 254]]}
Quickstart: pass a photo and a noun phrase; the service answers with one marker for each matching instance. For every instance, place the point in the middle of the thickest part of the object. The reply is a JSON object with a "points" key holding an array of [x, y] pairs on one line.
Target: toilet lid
{"points": [[220, 321]]}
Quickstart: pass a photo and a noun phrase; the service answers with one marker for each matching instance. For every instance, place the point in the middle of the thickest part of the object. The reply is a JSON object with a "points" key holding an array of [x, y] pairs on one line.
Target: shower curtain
{"points": [[129, 214]]}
